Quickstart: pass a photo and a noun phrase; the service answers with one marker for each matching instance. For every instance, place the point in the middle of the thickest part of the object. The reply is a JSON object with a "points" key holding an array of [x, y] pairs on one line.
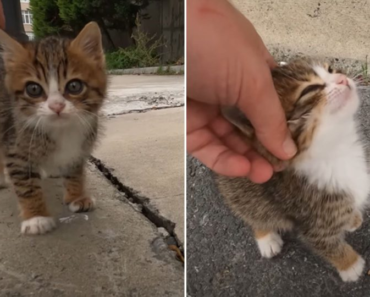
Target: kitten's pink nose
{"points": [[57, 107], [342, 80]]}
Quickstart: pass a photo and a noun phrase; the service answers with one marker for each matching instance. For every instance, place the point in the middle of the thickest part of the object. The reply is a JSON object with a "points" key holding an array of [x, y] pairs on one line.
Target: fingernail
{"points": [[289, 147]]}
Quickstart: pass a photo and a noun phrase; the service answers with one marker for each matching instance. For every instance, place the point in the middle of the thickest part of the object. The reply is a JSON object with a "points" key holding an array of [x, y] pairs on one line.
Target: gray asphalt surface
{"points": [[223, 260]]}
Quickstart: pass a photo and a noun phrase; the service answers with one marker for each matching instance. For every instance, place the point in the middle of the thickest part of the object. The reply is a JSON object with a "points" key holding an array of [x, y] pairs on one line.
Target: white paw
{"points": [[4, 180], [270, 245], [38, 225], [43, 174], [353, 229], [82, 205], [353, 273], [74, 207]]}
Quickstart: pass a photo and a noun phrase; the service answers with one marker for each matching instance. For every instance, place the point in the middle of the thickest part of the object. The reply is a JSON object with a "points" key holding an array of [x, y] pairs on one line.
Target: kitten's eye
{"points": [[311, 88], [330, 70], [74, 87], [34, 90]]}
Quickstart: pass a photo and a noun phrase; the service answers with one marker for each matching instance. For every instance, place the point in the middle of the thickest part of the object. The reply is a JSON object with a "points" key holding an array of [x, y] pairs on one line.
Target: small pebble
{"points": [[163, 231]]}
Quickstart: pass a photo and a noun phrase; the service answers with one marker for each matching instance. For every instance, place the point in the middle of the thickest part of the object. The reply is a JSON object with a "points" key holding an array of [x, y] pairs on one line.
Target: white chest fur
{"points": [[68, 150], [337, 161]]}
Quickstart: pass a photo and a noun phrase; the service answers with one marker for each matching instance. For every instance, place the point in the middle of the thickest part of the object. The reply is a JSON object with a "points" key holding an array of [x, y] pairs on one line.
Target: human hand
{"points": [[228, 64]]}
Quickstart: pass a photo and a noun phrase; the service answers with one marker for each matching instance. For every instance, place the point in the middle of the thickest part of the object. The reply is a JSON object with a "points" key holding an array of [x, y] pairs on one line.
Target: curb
{"points": [[174, 69]]}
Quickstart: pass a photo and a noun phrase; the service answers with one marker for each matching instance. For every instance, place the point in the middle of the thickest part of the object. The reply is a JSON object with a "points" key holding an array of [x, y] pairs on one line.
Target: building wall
{"points": [[25, 6], [172, 23], [166, 21]]}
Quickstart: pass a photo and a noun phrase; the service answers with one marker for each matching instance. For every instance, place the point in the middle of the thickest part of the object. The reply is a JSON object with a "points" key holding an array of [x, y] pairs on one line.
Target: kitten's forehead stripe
{"points": [[53, 86], [40, 66], [51, 55]]}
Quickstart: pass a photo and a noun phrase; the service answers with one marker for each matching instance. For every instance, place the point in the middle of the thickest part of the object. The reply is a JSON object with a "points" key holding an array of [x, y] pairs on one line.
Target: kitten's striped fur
{"points": [[325, 187], [53, 131]]}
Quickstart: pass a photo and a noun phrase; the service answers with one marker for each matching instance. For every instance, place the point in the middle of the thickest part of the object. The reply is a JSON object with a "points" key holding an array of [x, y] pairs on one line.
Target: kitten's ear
{"points": [[11, 50], [294, 125], [238, 119], [89, 41]]}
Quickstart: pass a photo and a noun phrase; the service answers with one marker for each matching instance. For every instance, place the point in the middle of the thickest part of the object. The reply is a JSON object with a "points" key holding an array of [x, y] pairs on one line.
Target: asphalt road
{"points": [[223, 260]]}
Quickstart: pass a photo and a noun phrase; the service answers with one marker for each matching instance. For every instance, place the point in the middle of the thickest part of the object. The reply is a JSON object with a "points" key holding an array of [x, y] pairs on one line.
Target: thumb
{"points": [[270, 60], [262, 106]]}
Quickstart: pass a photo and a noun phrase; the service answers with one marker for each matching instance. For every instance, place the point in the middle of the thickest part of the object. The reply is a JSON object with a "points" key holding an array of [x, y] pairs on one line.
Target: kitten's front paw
{"points": [[82, 205], [4, 181], [270, 245], [354, 272], [38, 225], [43, 174]]}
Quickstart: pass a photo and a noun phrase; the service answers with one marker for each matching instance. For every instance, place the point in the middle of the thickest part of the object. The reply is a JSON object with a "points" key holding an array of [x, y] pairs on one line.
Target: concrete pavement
{"points": [[128, 93], [146, 152], [334, 28], [113, 251], [223, 260], [175, 69]]}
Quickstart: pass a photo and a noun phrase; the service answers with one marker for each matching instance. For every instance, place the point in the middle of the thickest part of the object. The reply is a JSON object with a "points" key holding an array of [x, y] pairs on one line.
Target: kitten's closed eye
{"points": [[311, 88], [34, 90]]}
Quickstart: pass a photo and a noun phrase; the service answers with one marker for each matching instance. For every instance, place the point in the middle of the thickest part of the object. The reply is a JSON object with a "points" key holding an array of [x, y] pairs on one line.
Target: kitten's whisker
{"points": [[43, 134], [30, 146], [22, 129], [89, 113], [87, 125], [7, 109], [357, 74], [361, 73], [7, 130]]}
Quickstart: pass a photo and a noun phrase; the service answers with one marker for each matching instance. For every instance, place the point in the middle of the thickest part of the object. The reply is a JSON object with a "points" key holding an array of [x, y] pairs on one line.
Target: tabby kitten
{"points": [[325, 188], [50, 94]]}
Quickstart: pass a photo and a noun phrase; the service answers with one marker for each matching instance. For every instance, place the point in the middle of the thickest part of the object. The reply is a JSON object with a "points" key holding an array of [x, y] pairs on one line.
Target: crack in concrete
{"points": [[145, 110], [148, 210]]}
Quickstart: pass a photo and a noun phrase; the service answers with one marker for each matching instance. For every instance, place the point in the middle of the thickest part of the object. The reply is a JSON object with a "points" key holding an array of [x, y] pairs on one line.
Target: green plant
{"points": [[46, 19], [365, 75], [70, 16], [168, 71], [165, 71], [142, 54]]}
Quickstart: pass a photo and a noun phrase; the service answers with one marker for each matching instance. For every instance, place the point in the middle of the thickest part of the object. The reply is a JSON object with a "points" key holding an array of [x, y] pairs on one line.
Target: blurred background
{"points": [[136, 33]]}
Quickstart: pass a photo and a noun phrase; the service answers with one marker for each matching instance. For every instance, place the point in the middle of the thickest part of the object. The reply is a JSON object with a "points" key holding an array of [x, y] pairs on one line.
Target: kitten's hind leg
{"points": [[75, 196], [269, 242], [340, 254]]}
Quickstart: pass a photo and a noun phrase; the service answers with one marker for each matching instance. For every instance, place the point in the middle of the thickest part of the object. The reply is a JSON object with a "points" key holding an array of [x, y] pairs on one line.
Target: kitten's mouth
{"points": [[338, 98], [60, 116], [336, 93]]}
